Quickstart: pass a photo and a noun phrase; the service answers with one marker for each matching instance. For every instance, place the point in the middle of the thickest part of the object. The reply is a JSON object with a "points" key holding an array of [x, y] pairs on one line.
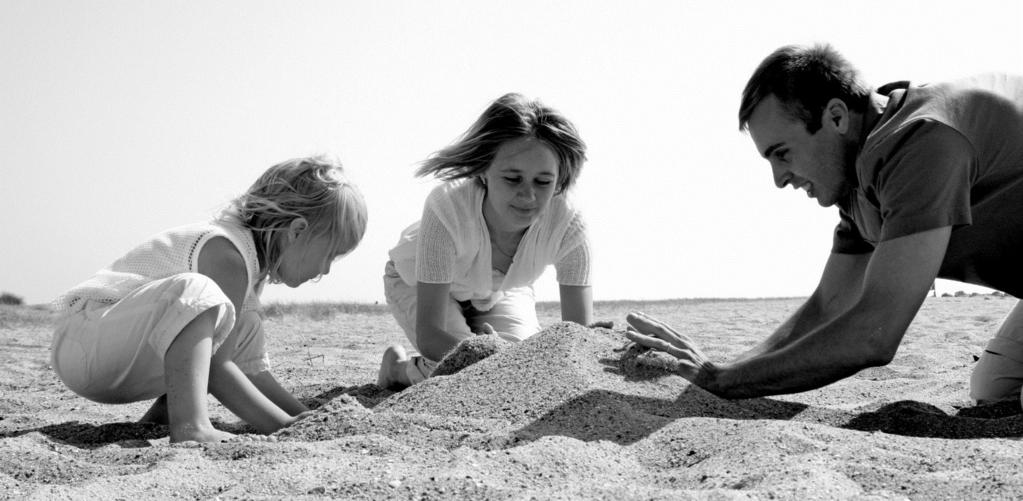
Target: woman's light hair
{"points": [[313, 188], [510, 117]]}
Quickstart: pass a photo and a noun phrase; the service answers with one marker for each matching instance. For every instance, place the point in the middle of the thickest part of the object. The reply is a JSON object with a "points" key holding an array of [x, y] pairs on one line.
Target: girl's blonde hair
{"points": [[313, 188], [511, 116]]}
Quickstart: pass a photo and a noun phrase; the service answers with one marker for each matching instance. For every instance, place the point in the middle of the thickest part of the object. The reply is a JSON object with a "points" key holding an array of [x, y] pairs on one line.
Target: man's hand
{"points": [[652, 333]]}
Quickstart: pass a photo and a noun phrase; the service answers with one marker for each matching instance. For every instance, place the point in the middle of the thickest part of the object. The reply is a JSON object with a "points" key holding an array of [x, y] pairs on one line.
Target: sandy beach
{"points": [[572, 413]]}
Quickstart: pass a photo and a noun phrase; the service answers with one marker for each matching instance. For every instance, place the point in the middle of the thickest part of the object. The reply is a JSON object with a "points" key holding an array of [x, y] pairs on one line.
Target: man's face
{"points": [[817, 162]]}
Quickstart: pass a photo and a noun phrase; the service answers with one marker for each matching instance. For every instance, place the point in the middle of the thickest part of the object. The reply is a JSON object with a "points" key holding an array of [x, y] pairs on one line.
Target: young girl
{"points": [[178, 316], [486, 234]]}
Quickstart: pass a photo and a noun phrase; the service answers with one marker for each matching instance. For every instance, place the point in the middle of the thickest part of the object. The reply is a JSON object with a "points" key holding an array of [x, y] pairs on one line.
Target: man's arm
{"points": [[896, 281], [839, 287]]}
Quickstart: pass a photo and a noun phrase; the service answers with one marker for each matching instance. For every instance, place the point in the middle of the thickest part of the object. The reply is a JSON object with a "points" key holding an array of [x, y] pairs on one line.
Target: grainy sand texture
{"points": [[572, 413]]}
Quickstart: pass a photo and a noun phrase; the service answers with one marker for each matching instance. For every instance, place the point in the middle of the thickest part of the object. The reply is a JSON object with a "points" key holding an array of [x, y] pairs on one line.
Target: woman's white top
{"points": [[451, 244], [165, 254]]}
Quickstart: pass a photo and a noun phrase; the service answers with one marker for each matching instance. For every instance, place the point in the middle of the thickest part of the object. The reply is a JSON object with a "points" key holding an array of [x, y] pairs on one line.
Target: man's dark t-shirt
{"points": [[946, 154]]}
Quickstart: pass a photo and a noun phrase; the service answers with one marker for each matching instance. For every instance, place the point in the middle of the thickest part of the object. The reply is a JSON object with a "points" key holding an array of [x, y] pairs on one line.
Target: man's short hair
{"points": [[804, 79]]}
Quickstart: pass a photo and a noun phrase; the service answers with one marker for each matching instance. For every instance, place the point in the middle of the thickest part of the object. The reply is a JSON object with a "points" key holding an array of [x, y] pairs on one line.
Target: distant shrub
{"points": [[321, 310], [960, 294], [11, 299], [16, 316]]}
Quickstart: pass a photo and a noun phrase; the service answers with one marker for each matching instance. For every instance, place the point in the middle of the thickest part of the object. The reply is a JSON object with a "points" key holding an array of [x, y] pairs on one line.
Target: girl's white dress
{"points": [[115, 327]]}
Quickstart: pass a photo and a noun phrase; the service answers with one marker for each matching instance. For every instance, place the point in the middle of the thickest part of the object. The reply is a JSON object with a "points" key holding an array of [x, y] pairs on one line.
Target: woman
{"points": [[487, 233]]}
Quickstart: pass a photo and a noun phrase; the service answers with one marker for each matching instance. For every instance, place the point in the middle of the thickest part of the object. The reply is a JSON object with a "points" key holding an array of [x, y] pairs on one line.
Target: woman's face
{"points": [[521, 181]]}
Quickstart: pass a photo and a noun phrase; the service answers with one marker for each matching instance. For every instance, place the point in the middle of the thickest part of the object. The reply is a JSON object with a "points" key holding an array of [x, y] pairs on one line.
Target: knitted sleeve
{"points": [[435, 251], [573, 265]]}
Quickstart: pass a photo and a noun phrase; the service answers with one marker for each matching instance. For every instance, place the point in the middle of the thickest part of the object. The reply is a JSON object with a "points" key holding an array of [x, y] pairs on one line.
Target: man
{"points": [[929, 183]]}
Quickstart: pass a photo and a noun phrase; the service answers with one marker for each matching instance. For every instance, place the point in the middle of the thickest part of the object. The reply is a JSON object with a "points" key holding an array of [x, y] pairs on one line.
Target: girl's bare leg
{"points": [[157, 413], [186, 374]]}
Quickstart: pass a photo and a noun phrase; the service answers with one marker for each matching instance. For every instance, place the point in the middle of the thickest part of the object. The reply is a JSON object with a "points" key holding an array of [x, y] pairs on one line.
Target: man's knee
{"points": [[996, 378]]}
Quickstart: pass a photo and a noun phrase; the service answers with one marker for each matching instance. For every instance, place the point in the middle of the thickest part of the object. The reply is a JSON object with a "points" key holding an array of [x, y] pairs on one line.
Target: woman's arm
{"points": [[577, 304], [431, 320], [573, 268]]}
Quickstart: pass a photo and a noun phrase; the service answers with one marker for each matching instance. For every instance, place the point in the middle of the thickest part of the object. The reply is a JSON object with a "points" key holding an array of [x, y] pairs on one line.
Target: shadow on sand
{"points": [[626, 419], [917, 419], [92, 436]]}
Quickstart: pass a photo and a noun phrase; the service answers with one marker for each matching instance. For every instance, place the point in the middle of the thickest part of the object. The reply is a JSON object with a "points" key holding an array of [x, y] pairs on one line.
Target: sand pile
{"points": [[602, 419], [572, 413], [469, 352], [569, 381], [566, 381]]}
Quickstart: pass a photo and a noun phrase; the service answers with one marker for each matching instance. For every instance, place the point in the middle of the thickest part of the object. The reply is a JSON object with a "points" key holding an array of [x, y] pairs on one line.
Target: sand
{"points": [[572, 413]]}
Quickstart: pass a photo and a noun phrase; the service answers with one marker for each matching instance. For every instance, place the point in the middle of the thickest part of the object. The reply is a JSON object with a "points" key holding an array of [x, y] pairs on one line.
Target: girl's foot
{"points": [[192, 433], [392, 369]]}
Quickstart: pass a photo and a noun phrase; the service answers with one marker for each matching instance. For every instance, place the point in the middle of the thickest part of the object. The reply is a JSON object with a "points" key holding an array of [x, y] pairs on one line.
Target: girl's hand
{"points": [[298, 417], [302, 415], [486, 329]]}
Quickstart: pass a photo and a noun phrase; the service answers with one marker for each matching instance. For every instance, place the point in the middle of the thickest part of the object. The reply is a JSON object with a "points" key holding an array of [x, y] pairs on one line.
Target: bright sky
{"points": [[119, 119]]}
